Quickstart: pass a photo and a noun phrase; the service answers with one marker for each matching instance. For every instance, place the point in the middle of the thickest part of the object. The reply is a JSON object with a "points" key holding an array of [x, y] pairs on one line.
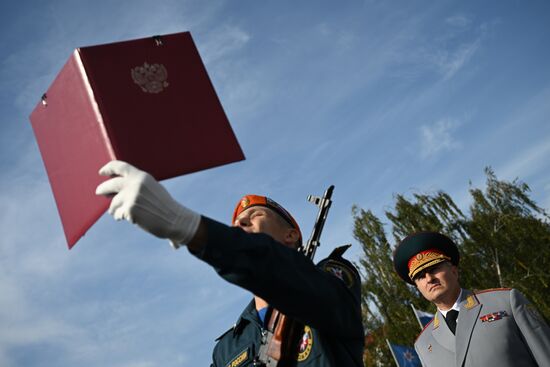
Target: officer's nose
{"points": [[429, 276], [242, 222]]}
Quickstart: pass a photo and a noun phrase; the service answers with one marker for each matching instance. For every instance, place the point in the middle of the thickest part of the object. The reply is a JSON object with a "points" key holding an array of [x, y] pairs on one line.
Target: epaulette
{"points": [[491, 290], [471, 301], [339, 251], [225, 333]]}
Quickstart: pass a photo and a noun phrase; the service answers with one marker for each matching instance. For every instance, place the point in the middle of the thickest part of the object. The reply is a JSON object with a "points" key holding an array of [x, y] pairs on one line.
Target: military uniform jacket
{"points": [[496, 327], [326, 298]]}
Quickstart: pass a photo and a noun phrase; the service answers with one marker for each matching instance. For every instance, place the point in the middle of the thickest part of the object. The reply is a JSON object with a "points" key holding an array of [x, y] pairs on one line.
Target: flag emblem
{"points": [[404, 356]]}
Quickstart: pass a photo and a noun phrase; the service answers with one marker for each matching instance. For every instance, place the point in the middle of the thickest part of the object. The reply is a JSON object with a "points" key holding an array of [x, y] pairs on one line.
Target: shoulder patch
{"points": [[340, 270], [306, 344]]}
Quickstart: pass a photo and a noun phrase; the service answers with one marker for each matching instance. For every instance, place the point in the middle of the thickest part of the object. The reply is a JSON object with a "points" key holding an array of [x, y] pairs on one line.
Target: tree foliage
{"points": [[503, 241]]}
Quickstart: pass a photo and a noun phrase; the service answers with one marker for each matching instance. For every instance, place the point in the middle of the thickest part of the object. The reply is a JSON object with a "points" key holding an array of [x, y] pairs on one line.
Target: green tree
{"points": [[504, 242]]}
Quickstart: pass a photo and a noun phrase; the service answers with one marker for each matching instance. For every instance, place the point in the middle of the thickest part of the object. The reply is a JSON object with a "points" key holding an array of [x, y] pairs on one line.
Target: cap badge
{"points": [[245, 202]]}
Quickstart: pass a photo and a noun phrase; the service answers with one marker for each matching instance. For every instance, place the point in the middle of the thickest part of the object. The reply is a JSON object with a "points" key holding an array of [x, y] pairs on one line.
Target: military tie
{"points": [[450, 319]]}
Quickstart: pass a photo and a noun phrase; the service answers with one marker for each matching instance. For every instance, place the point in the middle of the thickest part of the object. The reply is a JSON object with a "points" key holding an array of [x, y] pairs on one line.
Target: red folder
{"points": [[149, 102]]}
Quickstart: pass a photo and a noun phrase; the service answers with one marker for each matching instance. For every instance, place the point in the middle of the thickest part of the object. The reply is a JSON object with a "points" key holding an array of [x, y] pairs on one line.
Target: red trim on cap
{"points": [[248, 201]]}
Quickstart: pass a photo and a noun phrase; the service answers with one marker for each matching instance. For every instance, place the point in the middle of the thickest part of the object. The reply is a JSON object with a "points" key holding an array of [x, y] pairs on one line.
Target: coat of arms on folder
{"points": [[148, 101]]}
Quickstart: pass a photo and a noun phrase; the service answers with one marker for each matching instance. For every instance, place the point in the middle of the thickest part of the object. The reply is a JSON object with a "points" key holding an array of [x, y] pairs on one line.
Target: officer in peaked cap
{"points": [[421, 251], [497, 327], [258, 253]]}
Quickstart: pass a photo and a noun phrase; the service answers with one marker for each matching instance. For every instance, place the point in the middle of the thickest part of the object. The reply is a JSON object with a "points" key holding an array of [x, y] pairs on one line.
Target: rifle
{"points": [[279, 347]]}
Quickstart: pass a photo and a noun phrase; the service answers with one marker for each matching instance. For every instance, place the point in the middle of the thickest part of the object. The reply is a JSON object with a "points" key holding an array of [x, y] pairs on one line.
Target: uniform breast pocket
{"points": [[497, 329], [496, 320]]}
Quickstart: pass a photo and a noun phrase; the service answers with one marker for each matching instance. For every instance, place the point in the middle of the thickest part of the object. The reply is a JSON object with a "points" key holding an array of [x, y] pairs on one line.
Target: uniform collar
{"points": [[249, 314], [456, 305]]}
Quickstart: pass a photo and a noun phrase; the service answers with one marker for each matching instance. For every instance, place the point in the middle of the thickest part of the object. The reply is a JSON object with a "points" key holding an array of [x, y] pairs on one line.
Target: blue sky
{"points": [[375, 97]]}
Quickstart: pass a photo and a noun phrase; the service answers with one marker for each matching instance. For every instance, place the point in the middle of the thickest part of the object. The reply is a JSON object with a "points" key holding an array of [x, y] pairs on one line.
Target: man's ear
{"points": [[291, 237], [454, 269], [456, 272]]}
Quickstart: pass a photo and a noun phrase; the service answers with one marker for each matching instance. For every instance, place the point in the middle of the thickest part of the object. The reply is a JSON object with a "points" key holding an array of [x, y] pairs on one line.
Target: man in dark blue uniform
{"points": [[257, 253]]}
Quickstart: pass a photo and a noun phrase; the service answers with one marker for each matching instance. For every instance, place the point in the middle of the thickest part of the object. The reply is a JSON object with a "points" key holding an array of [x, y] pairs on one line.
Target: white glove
{"points": [[140, 199]]}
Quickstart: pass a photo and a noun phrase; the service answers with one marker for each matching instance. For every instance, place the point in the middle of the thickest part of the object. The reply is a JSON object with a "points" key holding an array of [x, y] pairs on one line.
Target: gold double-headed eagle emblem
{"points": [[151, 78]]}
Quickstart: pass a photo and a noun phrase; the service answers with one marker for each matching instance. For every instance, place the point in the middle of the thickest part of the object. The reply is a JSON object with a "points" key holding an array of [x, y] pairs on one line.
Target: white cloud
{"points": [[223, 41], [438, 138], [449, 62], [116, 300], [451, 50]]}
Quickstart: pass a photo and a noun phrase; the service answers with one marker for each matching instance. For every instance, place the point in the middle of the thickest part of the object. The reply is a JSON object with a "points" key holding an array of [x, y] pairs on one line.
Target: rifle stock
{"points": [[280, 344]]}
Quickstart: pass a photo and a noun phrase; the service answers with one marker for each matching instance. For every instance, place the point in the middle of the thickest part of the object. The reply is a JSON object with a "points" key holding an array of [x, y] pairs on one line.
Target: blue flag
{"points": [[423, 317], [404, 356]]}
